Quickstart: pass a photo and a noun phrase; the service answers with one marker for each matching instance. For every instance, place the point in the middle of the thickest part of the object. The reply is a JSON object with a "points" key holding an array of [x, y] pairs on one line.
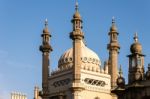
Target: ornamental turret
{"points": [[120, 79], [77, 36], [113, 48], [77, 25], [45, 48], [136, 62]]}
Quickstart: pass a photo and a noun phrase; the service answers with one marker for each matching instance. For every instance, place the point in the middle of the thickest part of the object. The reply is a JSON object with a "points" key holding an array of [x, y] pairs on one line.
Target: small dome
{"points": [[120, 81], [45, 30], [113, 28], [136, 48], [87, 57], [77, 15]]}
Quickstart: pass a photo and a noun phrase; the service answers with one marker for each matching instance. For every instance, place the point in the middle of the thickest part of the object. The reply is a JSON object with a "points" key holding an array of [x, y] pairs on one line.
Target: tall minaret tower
{"points": [[113, 48], [136, 62], [77, 36], [45, 48]]}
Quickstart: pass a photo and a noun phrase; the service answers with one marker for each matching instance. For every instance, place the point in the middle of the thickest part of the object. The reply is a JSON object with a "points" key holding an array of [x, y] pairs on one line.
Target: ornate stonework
{"points": [[80, 74]]}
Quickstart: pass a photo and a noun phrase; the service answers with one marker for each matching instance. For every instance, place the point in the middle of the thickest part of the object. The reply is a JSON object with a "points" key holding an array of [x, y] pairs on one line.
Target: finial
{"points": [[113, 19], [46, 22], [136, 37], [120, 71], [76, 6], [113, 26]]}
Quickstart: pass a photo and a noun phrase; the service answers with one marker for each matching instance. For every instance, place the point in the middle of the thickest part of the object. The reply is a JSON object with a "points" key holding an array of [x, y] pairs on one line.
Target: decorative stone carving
{"points": [[61, 82], [95, 82]]}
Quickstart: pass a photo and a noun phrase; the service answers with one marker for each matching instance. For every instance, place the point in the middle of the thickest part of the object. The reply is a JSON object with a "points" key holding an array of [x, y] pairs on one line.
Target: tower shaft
{"points": [[77, 60], [45, 70], [113, 67]]}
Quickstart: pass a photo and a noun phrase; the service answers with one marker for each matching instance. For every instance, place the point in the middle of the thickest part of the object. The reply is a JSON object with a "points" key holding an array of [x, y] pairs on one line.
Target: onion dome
{"points": [[77, 14], [88, 57], [148, 73], [45, 30], [136, 47], [113, 27], [120, 79]]}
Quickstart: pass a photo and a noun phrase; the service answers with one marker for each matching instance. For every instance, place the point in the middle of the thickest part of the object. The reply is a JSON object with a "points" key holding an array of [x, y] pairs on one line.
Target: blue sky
{"points": [[22, 21]]}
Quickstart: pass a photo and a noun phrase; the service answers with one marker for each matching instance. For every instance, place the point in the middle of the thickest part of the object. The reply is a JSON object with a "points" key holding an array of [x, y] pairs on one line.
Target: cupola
{"points": [[136, 47]]}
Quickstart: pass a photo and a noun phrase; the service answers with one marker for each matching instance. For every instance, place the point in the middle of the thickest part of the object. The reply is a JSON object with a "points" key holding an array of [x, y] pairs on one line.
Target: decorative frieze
{"points": [[61, 82], [83, 59], [95, 82]]}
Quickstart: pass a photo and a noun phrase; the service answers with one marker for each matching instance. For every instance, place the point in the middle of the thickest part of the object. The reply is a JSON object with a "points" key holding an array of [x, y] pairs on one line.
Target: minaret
{"points": [[45, 48], [136, 62], [77, 36], [113, 48], [36, 92]]}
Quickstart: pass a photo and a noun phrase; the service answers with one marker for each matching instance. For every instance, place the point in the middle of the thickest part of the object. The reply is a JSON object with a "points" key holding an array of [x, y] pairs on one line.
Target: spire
{"points": [[120, 71], [45, 30], [120, 79], [77, 24], [113, 20], [46, 22], [76, 6], [77, 14], [113, 27], [136, 37]]}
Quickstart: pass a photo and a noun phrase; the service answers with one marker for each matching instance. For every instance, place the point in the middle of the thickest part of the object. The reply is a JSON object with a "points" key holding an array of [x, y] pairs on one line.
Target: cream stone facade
{"points": [[94, 80], [80, 74]]}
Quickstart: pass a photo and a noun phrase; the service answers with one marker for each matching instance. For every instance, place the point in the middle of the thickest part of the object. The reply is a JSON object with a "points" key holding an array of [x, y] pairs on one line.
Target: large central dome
{"points": [[87, 57]]}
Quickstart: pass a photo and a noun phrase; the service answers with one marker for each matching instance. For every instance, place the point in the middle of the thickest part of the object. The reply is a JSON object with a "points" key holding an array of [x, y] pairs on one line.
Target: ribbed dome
{"points": [[136, 48], [87, 56]]}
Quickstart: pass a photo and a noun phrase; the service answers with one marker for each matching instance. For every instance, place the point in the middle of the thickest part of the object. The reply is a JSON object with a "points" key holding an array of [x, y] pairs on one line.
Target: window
{"points": [[133, 62], [139, 62]]}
